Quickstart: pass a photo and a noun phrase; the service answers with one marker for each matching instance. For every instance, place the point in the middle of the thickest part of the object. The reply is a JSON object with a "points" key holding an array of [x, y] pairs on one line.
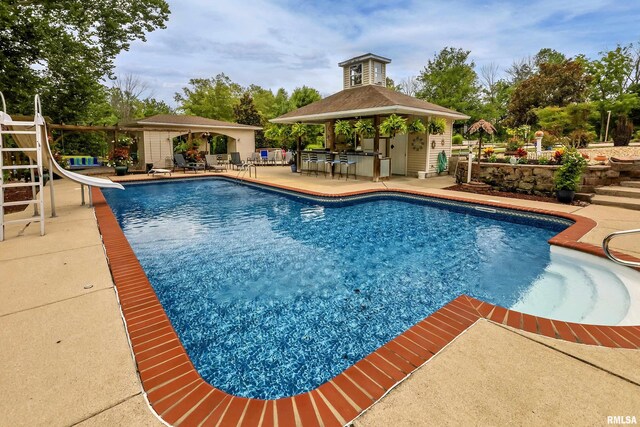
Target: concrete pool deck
{"points": [[67, 359]]}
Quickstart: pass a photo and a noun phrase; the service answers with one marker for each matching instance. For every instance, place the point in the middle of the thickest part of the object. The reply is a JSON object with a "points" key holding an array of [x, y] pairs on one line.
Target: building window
{"points": [[356, 74], [377, 73]]}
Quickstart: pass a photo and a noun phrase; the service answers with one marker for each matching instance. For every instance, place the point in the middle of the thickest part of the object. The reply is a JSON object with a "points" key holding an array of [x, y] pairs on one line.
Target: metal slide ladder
{"points": [[35, 128], [605, 247]]}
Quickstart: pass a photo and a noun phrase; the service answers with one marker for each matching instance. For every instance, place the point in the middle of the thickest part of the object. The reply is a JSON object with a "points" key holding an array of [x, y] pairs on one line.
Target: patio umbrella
{"points": [[481, 127]]}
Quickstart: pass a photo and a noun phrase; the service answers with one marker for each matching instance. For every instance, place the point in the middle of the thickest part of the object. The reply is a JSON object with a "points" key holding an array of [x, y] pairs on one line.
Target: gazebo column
{"points": [[376, 149], [329, 128]]}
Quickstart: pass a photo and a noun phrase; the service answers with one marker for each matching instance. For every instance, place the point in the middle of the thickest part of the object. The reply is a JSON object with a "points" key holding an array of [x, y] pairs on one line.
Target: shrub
{"points": [[513, 144], [623, 131], [543, 161], [492, 158], [456, 139], [521, 152], [569, 174]]}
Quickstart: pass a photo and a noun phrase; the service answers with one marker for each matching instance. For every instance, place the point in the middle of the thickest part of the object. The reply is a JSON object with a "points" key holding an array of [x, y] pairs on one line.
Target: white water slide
{"points": [[29, 141]]}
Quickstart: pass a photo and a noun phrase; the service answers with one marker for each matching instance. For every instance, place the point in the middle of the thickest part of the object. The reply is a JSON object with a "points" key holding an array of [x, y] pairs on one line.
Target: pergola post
{"points": [[331, 134], [376, 149]]}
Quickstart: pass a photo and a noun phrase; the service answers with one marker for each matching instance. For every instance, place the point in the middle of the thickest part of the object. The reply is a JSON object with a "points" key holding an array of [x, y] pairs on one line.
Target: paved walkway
{"points": [[65, 357]]}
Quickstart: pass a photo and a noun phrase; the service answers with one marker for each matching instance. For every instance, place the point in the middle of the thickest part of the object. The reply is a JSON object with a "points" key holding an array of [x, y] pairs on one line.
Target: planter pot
{"points": [[565, 196], [294, 168], [422, 174], [121, 170]]}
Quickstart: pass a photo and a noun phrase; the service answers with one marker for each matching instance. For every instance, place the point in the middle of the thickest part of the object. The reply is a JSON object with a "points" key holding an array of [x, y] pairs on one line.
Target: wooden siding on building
{"points": [[416, 159], [345, 78], [433, 153], [366, 72]]}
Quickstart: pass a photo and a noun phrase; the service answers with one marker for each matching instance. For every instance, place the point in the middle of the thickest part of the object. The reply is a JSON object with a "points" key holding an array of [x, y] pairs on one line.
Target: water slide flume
{"points": [[29, 141]]}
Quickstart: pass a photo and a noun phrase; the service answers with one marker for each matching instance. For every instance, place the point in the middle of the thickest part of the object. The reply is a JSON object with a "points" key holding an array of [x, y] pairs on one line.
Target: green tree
{"points": [[449, 80], [264, 101], [611, 81], [213, 98], [281, 103], [150, 107], [246, 113], [302, 96], [62, 49], [554, 85], [390, 84], [548, 56]]}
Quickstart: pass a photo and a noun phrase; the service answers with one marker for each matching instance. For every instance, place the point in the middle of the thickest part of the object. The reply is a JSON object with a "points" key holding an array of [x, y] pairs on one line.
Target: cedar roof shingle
{"points": [[183, 120], [366, 97]]}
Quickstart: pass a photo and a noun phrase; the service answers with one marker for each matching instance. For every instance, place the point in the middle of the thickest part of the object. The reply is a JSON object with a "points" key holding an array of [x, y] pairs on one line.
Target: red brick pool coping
{"points": [[180, 396]]}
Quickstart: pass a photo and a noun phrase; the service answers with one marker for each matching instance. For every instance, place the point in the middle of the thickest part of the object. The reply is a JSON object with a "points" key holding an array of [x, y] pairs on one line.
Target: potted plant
{"points": [[363, 129], [344, 128], [393, 125], [569, 175], [119, 160], [437, 126]]}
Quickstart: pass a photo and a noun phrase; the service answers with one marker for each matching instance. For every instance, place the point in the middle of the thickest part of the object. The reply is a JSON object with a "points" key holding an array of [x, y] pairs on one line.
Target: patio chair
{"points": [[278, 157], [271, 157], [254, 158], [180, 163], [264, 155], [223, 159], [211, 163]]}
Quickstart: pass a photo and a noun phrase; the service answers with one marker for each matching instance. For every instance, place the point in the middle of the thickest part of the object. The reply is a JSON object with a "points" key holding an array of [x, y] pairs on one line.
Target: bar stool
{"points": [[344, 161], [331, 162], [313, 160]]}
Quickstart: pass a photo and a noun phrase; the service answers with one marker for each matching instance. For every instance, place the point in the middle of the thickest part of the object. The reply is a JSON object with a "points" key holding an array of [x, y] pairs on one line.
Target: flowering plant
{"points": [[488, 152], [521, 152], [123, 141], [558, 154], [119, 157], [192, 155]]}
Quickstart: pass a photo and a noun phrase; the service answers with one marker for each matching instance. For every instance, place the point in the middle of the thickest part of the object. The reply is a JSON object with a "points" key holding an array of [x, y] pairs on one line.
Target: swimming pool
{"points": [[272, 296]]}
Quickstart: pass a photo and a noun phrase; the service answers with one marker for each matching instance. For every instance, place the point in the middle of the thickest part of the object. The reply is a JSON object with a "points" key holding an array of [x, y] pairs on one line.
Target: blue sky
{"points": [[288, 43]]}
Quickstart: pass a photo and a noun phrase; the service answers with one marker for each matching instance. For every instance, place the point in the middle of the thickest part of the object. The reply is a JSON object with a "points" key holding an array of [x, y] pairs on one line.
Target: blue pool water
{"points": [[273, 295]]}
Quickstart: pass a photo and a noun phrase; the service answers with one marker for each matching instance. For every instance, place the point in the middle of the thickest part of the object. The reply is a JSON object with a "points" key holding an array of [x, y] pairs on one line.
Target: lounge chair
{"points": [[211, 163], [181, 163], [156, 171], [236, 161]]}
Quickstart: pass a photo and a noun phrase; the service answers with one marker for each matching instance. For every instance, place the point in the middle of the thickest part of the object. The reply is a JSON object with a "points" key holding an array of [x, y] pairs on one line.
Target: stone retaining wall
{"points": [[536, 179]]}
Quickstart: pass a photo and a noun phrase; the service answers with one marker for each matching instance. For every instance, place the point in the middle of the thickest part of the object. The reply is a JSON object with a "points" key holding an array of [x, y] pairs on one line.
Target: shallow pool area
{"points": [[273, 295]]}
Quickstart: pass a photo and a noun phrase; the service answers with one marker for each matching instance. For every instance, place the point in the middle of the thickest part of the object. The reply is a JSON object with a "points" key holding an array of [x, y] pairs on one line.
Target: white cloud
{"points": [[287, 44]]}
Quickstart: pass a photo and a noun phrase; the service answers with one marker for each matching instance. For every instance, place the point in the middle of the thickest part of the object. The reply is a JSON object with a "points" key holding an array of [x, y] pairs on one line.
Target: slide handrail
{"points": [[605, 247]]}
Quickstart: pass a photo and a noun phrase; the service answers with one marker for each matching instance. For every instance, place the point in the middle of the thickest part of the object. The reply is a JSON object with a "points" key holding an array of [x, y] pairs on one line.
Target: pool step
{"points": [[620, 202], [584, 290], [619, 191]]}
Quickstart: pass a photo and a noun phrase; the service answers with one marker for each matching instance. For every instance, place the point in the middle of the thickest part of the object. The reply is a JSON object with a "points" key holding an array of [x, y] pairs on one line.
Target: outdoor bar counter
{"points": [[364, 162]]}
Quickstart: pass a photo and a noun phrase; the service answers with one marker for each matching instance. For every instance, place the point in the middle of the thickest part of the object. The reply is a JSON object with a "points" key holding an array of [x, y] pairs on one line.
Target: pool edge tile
{"points": [[386, 365]]}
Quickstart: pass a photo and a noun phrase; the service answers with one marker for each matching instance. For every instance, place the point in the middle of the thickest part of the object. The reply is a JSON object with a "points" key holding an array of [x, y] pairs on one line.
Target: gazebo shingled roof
{"points": [[189, 121], [367, 100]]}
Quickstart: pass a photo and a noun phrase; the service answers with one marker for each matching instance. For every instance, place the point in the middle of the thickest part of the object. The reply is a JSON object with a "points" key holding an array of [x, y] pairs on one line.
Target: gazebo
{"points": [[365, 96], [155, 136]]}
